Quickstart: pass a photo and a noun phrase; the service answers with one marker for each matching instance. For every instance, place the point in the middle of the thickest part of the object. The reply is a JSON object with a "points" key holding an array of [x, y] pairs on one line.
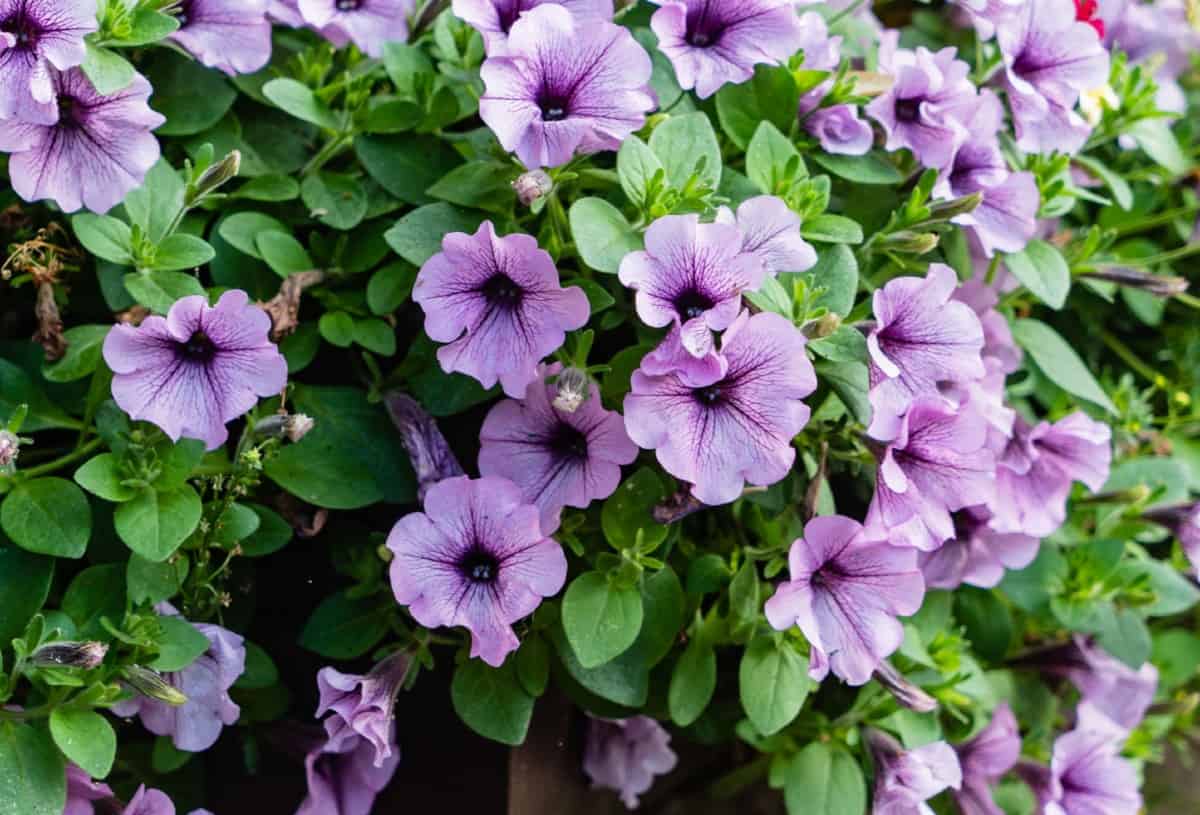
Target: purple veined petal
{"points": [[670, 357], [233, 36], [369, 24], [493, 19], [343, 779], [625, 755], [840, 130], [771, 232], [38, 37]]}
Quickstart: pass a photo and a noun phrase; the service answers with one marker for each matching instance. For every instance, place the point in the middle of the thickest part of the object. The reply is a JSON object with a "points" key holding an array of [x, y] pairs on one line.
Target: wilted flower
{"points": [[369, 24], [565, 86], [81, 655], [771, 232], [343, 778], [977, 554], [714, 42], [198, 368], [233, 36], [985, 759], [1087, 775], [498, 303], [718, 435], [558, 459], [494, 18], [845, 592], [38, 38], [92, 153], [532, 185], [625, 755], [430, 453], [364, 705], [476, 557], [906, 779]]}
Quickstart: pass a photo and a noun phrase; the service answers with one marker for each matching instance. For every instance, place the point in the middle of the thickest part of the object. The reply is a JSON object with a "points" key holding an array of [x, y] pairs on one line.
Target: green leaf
{"points": [[24, 587], [832, 229], [147, 26], [269, 188], [773, 683], [745, 602], [297, 99], [872, 168], [283, 253], [178, 459], [98, 591], [849, 381], [390, 287], [533, 665], [636, 167], [86, 738], [418, 235], [273, 533], [601, 620], [155, 524], [1124, 635], [836, 273], [108, 71], [260, 669], [158, 291], [105, 237], [491, 701], [768, 157], [48, 516], [406, 164], [1041, 268], [237, 522], [17, 390], [242, 231], [824, 779], [1176, 654], [623, 681], [662, 617], [33, 775], [1118, 186], [154, 205], [477, 184], [681, 142], [84, 343], [847, 344], [334, 199], [179, 644], [1173, 593], [345, 627], [101, 476], [1059, 362], [770, 96], [179, 252], [602, 235], [192, 97], [692, 682], [628, 511], [1156, 138], [149, 582], [375, 335], [987, 620]]}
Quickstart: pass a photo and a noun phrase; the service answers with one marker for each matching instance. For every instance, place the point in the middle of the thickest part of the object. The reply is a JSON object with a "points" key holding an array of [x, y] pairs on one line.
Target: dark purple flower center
{"points": [[198, 348], [348, 5], [908, 110], [569, 442], [507, 13], [502, 292], [24, 29], [184, 13], [554, 106], [707, 396], [68, 108], [704, 29], [479, 566], [690, 303]]}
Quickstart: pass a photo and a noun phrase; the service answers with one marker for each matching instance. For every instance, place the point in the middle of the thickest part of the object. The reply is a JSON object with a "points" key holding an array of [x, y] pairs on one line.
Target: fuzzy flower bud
{"points": [[152, 684], [963, 205], [1156, 284], [431, 456], [913, 243], [904, 691], [82, 655], [216, 175], [9, 450], [532, 185], [572, 387], [822, 327], [290, 426]]}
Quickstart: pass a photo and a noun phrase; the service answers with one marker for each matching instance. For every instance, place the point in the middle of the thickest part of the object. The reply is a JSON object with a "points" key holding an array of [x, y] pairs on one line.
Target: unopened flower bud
{"points": [[532, 185], [905, 692], [82, 655], [947, 210], [822, 327], [9, 450], [913, 243], [1156, 284], [430, 454], [290, 426], [217, 175], [151, 683], [572, 387]]}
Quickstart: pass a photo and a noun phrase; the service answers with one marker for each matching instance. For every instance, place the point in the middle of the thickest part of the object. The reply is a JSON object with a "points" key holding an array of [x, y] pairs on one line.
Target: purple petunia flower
{"points": [[494, 18], [906, 779], [1049, 58], [845, 592], [1087, 775], [1158, 35], [985, 759], [721, 434], [363, 705], [148, 801], [922, 337], [476, 557], [1183, 521], [286, 12], [714, 42], [38, 37], [1122, 693], [771, 232], [922, 110], [198, 368], [497, 302], [95, 151], [937, 464], [1035, 472], [691, 275], [557, 458], [977, 555], [838, 128], [83, 792], [195, 725], [369, 24], [233, 36], [343, 778], [986, 14], [625, 755], [565, 86]]}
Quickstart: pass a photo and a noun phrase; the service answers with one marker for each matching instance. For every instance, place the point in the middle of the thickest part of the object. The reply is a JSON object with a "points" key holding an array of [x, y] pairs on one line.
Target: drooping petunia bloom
{"points": [[721, 434], [985, 759], [564, 87], [845, 592], [476, 557], [922, 109], [557, 458], [369, 24], [497, 302], [196, 369], [195, 725], [771, 231], [38, 37], [921, 337], [92, 154], [364, 705], [493, 19], [1049, 59], [1122, 693], [977, 555], [233, 36], [83, 792], [691, 275], [343, 778], [838, 128], [714, 42], [625, 755], [1087, 775], [906, 779]]}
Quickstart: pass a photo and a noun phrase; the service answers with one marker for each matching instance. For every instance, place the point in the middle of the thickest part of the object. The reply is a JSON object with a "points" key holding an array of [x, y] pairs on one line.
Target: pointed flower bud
{"points": [[152, 684], [904, 691], [292, 427], [1156, 284], [431, 456], [573, 387], [822, 327], [82, 655], [913, 243], [948, 210], [532, 185], [216, 176]]}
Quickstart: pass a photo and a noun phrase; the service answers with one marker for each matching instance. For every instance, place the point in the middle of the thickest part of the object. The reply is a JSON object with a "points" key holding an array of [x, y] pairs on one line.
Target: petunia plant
{"points": [[765, 404]]}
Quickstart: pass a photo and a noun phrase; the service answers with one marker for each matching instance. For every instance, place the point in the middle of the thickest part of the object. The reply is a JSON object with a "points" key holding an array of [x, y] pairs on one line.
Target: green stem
{"points": [[1131, 359], [1161, 219], [58, 463], [334, 146]]}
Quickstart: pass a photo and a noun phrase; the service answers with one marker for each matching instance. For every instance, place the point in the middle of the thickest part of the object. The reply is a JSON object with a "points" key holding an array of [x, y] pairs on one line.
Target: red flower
{"points": [[1085, 12]]}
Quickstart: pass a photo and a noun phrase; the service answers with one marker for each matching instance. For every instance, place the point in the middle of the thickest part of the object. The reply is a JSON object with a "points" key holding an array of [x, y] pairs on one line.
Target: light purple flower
{"points": [[558, 459], [148, 801], [986, 14], [714, 42], [1000, 352], [83, 792], [921, 110], [1049, 58], [922, 337], [1122, 693], [476, 557], [195, 725], [771, 232], [738, 428], [369, 24], [691, 275], [840, 130], [564, 87], [498, 303], [494, 18], [625, 755], [343, 778], [364, 705], [1183, 521], [906, 779], [977, 555], [38, 37], [95, 151], [670, 357], [233, 36], [1087, 775], [198, 368], [1159, 35], [845, 592], [1036, 470], [286, 12], [985, 759]]}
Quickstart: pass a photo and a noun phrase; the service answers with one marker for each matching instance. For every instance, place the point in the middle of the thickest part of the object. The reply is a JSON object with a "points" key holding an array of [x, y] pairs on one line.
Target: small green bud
{"points": [[151, 683]]}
